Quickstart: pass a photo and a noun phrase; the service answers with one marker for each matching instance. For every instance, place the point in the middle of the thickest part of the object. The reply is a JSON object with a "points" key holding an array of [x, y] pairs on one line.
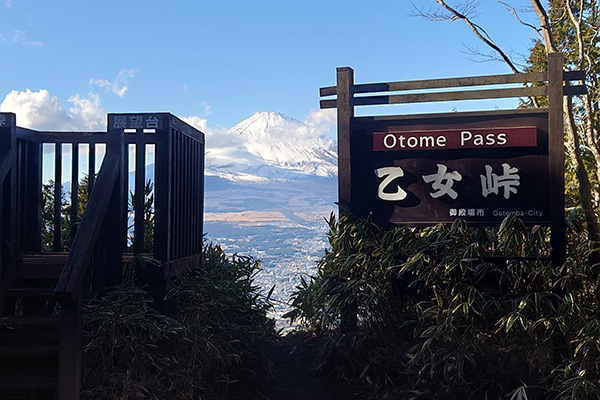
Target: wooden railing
{"points": [[110, 226], [70, 287], [179, 186]]}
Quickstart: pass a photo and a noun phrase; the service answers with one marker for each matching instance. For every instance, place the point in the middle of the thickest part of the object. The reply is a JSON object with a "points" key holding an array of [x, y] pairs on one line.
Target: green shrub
{"points": [[455, 312], [210, 345]]}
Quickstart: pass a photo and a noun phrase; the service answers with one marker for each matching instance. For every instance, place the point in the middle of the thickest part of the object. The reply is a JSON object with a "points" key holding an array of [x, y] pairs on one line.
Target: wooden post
{"points": [[345, 114], [74, 223], [57, 244], [8, 193], [70, 360], [30, 195], [163, 199], [91, 168], [557, 157], [138, 207]]}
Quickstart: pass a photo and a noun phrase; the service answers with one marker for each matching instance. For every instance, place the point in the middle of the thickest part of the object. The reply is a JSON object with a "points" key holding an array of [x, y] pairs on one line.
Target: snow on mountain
{"points": [[270, 145]]}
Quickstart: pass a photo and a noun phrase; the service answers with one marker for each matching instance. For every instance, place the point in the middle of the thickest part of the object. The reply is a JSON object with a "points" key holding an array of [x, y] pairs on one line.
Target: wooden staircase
{"points": [[29, 329]]}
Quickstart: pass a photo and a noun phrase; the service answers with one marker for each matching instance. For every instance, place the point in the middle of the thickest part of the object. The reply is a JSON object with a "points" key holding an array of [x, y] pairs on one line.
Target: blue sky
{"points": [[219, 62]]}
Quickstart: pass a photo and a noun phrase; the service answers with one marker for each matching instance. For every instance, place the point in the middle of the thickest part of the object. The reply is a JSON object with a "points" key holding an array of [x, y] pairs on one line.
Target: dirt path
{"points": [[292, 378]]}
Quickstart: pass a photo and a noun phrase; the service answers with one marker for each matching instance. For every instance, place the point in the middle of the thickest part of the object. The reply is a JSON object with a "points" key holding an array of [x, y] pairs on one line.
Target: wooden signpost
{"points": [[419, 170]]}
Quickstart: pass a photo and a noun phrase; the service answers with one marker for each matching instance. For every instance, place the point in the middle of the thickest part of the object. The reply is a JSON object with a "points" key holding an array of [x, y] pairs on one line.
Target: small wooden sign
{"points": [[131, 123]]}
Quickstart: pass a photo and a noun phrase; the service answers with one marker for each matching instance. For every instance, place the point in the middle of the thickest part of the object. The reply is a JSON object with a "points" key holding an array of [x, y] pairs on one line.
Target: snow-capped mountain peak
{"points": [[266, 124], [273, 145]]}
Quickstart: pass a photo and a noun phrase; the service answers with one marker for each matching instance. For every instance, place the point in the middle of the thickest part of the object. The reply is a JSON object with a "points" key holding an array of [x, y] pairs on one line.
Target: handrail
{"points": [[70, 281], [61, 137]]}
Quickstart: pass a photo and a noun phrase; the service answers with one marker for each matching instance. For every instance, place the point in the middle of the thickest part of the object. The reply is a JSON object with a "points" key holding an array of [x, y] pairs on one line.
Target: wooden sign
{"points": [[478, 166], [406, 173]]}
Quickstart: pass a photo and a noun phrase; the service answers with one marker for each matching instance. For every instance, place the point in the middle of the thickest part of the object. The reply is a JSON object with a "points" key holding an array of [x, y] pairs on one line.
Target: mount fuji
{"points": [[270, 146], [270, 181]]}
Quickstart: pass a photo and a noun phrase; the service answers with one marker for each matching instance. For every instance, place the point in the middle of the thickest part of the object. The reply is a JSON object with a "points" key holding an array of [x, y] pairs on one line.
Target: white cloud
{"points": [[9, 3], [39, 110], [19, 37], [206, 109], [321, 120], [120, 84], [227, 148], [222, 145], [87, 111], [196, 122]]}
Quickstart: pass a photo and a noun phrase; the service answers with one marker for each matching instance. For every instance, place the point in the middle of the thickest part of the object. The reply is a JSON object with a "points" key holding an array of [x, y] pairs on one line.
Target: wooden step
{"points": [[30, 320], [30, 292], [38, 268], [13, 382], [46, 255], [28, 350]]}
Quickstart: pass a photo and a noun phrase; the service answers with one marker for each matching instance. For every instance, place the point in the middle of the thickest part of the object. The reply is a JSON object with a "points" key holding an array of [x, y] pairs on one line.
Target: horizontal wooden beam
{"points": [[442, 83], [574, 76], [61, 137], [466, 114], [443, 96], [575, 90], [453, 82], [328, 104], [328, 91]]}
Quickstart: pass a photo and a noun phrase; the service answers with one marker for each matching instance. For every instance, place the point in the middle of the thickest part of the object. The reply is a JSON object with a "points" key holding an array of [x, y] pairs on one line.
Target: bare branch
{"points": [[467, 8], [479, 56], [479, 32], [514, 12]]}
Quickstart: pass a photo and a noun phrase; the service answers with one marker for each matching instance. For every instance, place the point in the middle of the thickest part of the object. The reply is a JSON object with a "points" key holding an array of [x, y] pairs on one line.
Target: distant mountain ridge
{"points": [[271, 146]]}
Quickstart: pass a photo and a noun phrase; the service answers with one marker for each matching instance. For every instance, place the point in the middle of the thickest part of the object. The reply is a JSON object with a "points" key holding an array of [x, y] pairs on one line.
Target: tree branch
{"points": [[514, 12], [480, 33]]}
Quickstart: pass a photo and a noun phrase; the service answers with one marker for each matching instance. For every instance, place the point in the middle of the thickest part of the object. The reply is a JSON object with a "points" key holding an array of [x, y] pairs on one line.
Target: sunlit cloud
{"points": [[88, 111], [41, 111], [321, 120], [120, 84], [19, 37], [197, 122]]}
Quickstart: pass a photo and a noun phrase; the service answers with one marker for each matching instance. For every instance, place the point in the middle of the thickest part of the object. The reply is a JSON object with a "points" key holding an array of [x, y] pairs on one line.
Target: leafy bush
{"points": [[455, 312], [210, 345]]}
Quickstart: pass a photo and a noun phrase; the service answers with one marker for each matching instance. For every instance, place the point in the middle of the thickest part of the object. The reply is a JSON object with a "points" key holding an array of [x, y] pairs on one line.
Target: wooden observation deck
{"points": [[75, 206]]}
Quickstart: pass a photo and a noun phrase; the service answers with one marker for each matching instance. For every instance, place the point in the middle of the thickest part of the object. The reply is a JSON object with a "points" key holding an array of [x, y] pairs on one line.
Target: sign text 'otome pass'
{"points": [[455, 139]]}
